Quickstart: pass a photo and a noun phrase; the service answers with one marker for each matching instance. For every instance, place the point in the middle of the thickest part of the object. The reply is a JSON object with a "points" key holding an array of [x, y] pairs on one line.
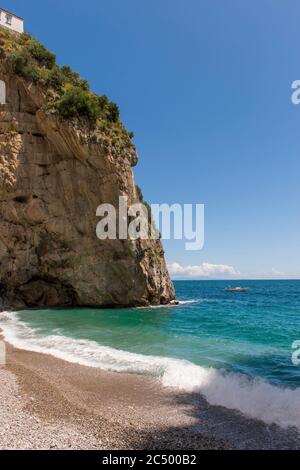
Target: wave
{"points": [[255, 398], [192, 301], [179, 302]]}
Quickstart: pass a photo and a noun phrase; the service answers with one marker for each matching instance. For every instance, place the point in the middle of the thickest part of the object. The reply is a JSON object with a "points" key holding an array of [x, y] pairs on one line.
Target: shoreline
{"points": [[48, 403]]}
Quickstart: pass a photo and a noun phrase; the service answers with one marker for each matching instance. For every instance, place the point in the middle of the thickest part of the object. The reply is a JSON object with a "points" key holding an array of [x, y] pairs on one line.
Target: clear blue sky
{"points": [[205, 86]]}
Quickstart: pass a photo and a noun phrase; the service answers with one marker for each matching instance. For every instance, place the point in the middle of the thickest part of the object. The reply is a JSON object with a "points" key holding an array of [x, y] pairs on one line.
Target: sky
{"points": [[206, 87]]}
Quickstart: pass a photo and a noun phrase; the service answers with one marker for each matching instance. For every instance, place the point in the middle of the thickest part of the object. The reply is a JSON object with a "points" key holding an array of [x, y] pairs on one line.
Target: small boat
{"points": [[236, 289]]}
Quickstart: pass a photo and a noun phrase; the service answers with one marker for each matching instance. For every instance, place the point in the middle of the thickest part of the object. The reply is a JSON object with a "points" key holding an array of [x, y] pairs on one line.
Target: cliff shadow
{"points": [[216, 428]]}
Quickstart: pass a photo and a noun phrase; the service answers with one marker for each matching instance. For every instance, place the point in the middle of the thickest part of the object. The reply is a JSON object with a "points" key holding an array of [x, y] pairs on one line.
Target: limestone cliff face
{"points": [[53, 176]]}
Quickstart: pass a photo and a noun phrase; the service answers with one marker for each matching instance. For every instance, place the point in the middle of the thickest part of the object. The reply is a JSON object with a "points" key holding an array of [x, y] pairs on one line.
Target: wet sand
{"points": [[48, 403]]}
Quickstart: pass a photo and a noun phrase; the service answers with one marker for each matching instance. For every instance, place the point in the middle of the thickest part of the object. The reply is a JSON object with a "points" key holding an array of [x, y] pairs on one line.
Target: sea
{"points": [[233, 348]]}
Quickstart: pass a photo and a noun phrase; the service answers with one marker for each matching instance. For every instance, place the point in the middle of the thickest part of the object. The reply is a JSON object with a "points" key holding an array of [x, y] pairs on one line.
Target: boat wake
{"points": [[255, 398]]}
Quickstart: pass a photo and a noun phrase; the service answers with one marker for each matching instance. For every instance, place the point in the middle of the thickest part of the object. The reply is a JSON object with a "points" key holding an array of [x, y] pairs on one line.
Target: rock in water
{"points": [[54, 173]]}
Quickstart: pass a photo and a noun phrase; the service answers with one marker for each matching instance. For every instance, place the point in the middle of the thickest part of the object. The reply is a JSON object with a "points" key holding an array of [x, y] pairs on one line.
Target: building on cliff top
{"points": [[11, 21]]}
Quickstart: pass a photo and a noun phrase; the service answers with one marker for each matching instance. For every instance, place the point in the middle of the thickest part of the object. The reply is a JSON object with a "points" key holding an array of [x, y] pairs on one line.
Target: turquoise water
{"points": [[248, 332], [235, 348]]}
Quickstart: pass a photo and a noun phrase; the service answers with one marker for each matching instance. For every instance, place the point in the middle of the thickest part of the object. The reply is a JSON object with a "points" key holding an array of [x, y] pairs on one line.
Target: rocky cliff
{"points": [[54, 173]]}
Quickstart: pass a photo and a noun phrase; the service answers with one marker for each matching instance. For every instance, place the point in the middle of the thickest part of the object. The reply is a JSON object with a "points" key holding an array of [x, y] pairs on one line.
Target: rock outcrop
{"points": [[53, 176]]}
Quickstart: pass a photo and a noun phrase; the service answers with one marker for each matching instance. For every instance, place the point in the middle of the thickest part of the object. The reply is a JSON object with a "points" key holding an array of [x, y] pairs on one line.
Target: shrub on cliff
{"points": [[54, 78], [76, 102], [19, 60], [67, 92], [72, 97], [107, 109], [74, 78], [21, 65], [30, 58], [39, 52], [112, 112]]}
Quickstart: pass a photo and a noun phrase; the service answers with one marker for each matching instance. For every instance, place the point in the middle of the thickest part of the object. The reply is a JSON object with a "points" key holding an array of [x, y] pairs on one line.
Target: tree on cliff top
{"points": [[67, 92]]}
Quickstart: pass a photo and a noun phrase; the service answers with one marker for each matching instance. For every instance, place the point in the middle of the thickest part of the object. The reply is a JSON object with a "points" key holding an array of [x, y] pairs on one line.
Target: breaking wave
{"points": [[255, 398]]}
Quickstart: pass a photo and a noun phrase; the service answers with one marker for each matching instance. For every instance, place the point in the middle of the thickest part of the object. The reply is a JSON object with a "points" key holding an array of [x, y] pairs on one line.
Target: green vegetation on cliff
{"points": [[68, 95]]}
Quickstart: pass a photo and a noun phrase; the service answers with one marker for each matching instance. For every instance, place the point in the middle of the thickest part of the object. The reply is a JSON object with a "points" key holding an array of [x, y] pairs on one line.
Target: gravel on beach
{"points": [[47, 403]]}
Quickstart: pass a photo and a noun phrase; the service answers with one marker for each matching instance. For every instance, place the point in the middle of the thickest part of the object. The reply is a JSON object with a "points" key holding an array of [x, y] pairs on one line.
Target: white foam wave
{"points": [[255, 398], [172, 305]]}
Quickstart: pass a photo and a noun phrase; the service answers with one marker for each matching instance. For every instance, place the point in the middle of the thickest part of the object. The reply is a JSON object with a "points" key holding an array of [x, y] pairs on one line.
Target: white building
{"points": [[11, 21], [15, 23]]}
